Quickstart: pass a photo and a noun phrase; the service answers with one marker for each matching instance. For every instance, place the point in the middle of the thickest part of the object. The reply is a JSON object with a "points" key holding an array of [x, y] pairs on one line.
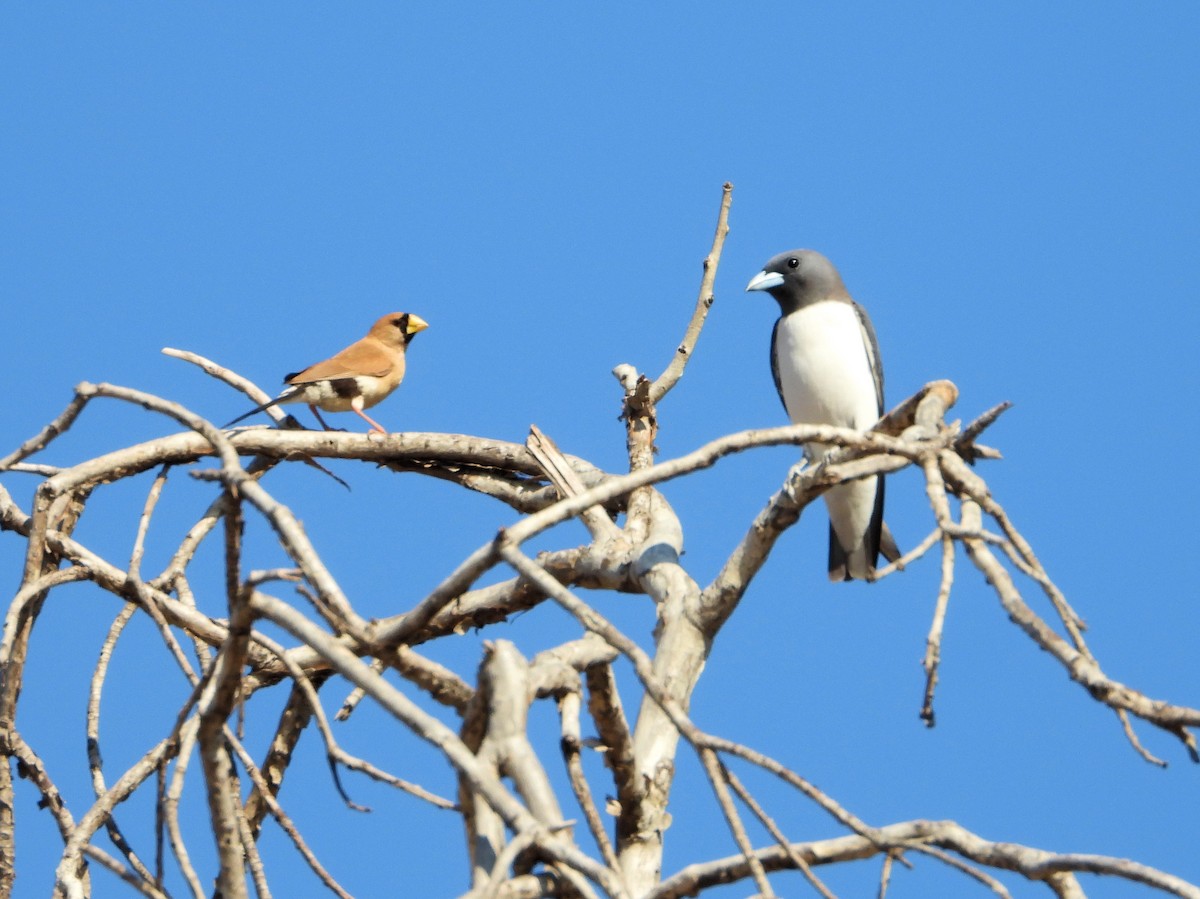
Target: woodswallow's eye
{"points": [[793, 262]]}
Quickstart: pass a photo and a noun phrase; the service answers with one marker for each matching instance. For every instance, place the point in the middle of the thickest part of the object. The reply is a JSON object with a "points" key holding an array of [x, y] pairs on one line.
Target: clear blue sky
{"points": [[1012, 193]]}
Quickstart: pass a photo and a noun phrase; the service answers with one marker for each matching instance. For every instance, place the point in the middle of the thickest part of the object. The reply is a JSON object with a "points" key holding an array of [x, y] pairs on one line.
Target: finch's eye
{"points": [[793, 262]]}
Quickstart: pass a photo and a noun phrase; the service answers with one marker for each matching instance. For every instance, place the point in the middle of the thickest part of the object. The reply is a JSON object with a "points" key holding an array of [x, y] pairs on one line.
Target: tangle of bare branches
{"points": [[523, 837]]}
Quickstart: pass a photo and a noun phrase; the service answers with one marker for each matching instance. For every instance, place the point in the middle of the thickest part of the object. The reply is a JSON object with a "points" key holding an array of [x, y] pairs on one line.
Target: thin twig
{"points": [[670, 377], [933, 643], [568, 711], [43, 438], [187, 743], [769, 823], [93, 738], [106, 861], [911, 556], [232, 378], [139, 541], [970, 870], [1130, 735], [716, 776]]}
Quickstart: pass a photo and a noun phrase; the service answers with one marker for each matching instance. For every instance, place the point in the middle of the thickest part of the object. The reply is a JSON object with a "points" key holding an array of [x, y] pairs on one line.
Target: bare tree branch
{"points": [[663, 383], [1032, 864]]}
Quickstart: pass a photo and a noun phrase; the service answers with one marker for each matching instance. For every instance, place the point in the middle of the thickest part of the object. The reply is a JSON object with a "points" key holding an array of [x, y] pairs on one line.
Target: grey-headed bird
{"points": [[825, 360]]}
